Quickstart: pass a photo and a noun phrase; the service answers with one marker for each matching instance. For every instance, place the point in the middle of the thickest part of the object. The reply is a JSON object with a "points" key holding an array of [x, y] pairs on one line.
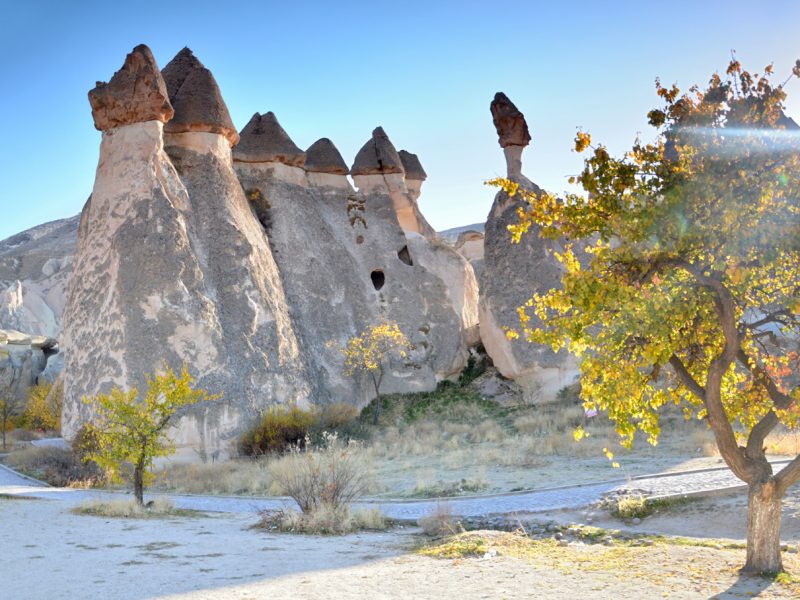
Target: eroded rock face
{"points": [[135, 94], [513, 273], [23, 361], [34, 267], [352, 267]]}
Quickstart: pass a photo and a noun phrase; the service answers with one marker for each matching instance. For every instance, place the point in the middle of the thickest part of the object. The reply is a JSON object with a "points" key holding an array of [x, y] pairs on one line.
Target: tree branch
{"points": [[686, 378]]}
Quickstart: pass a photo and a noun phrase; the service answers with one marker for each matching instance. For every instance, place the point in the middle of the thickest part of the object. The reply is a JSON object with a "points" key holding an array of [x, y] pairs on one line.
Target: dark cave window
{"points": [[405, 257], [378, 278]]}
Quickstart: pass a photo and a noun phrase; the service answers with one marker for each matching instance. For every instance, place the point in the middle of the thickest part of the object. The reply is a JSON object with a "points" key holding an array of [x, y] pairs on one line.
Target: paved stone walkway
{"points": [[568, 497]]}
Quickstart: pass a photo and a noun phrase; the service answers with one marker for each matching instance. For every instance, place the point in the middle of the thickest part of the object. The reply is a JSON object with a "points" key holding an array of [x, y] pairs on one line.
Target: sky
{"points": [[425, 71]]}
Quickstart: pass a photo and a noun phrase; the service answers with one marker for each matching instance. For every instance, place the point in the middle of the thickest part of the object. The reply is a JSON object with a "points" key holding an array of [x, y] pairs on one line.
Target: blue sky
{"points": [[425, 71]]}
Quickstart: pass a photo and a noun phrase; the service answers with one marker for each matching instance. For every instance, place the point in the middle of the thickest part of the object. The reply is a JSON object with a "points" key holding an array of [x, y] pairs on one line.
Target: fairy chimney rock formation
{"points": [[172, 267], [378, 168], [512, 273], [135, 94], [512, 132], [196, 98]]}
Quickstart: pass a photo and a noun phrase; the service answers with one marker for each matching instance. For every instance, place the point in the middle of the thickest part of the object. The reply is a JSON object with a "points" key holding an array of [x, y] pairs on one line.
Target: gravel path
{"points": [[568, 497]]}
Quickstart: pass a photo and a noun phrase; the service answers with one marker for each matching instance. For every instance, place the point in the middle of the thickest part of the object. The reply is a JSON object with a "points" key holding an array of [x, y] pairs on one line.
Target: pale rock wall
{"points": [[259, 361], [512, 274]]}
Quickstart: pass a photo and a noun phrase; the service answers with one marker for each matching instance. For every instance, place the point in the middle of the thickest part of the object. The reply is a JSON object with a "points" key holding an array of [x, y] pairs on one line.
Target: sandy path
{"points": [[50, 554]]}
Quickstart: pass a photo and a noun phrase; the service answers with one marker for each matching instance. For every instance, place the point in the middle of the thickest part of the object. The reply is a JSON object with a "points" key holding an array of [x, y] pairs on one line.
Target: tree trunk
{"points": [[763, 529], [376, 381], [138, 483]]}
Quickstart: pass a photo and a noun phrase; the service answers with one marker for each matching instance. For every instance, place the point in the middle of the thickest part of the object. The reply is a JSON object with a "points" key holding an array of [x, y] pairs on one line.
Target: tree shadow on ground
{"points": [[746, 586]]}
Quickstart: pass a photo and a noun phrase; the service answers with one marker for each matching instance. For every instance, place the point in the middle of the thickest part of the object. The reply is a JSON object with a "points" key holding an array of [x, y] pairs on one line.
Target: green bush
{"points": [[279, 429]]}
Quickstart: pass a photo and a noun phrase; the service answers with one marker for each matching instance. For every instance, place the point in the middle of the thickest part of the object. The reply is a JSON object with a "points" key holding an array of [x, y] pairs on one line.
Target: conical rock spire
{"points": [[196, 98], [323, 157], [264, 140]]}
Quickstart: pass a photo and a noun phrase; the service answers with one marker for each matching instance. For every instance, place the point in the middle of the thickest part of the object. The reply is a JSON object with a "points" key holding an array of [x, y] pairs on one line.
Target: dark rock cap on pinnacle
{"points": [[512, 130], [136, 93], [323, 157], [264, 140], [377, 156], [412, 166], [196, 98]]}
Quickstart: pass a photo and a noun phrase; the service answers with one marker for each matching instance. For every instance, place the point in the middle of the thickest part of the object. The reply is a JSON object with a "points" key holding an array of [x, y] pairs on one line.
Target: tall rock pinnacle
{"points": [[377, 156], [264, 140], [512, 131], [196, 98], [136, 93]]}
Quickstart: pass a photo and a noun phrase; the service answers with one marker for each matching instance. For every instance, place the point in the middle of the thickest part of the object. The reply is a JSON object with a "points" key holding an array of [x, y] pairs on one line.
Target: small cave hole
{"points": [[405, 257], [378, 279], [360, 239]]}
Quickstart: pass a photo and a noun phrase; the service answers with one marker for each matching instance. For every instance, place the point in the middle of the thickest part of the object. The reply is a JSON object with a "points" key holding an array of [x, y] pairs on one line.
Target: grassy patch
{"points": [[639, 507], [463, 545], [324, 520], [129, 509]]}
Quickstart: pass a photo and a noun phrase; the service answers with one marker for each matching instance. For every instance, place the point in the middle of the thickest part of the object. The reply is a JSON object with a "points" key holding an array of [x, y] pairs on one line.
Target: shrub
{"points": [[85, 443], [328, 476], [55, 466], [279, 429]]}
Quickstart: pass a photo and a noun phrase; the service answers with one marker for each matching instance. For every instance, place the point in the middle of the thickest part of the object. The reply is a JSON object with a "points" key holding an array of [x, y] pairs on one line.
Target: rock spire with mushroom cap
{"points": [[512, 132], [196, 98], [135, 94]]}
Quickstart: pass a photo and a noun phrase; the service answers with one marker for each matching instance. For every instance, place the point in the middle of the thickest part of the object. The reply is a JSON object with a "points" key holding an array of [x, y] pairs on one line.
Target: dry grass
{"points": [[440, 521], [129, 509], [55, 466], [251, 477], [324, 520], [783, 442]]}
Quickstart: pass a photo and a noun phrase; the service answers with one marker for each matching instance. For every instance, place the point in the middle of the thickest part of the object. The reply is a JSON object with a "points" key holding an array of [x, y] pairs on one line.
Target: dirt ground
{"points": [[50, 553]]}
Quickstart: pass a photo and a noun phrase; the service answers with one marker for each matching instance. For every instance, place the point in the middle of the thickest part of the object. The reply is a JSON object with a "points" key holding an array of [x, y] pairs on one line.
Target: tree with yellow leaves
{"points": [[128, 431], [366, 353], [684, 285]]}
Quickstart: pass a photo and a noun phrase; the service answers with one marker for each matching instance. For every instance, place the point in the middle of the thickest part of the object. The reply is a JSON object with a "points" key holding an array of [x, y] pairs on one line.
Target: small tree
{"points": [[8, 407], [365, 354], [688, 292], [128, 431]]}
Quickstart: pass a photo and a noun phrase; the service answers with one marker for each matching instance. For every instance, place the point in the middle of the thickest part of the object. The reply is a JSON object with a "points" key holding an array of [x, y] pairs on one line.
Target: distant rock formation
{"points": [[243, 257], [512, 273], [23, 361]]}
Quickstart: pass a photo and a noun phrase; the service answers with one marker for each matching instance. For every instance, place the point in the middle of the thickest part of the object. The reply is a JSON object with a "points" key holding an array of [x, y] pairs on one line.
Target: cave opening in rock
{"points": [[405, 256], [378, 278]]}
